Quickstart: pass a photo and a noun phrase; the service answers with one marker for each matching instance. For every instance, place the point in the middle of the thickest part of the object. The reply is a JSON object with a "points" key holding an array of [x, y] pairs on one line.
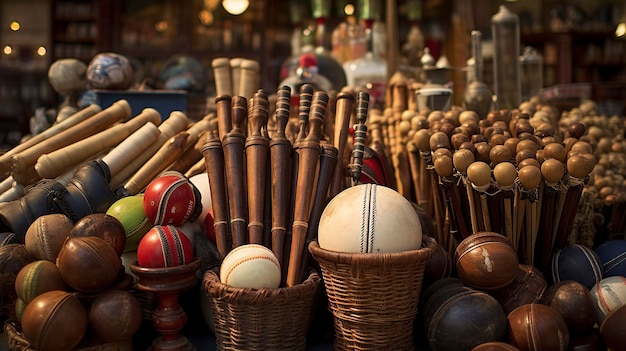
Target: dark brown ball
{"points": [[439, 266], [13, 257], [575, 303], [54, 321], [538, 327], [103, 226], [613, 329], [88, 264], [115, 315], [528, 286], [495, 346], [486, 261]]}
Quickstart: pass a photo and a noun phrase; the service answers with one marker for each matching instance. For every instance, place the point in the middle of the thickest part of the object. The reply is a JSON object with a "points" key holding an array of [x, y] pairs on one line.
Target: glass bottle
{"points": [[369, 72], [506, 65], [531, 63]]}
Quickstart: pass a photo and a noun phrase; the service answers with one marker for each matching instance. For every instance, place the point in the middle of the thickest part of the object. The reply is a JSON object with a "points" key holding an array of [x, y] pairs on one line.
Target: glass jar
{"points": [[506, 65], [531, 63]]}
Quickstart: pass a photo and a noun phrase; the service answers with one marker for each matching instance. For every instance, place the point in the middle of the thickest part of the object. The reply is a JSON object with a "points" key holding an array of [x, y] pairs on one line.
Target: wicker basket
{"points": [[260, 319], [373, 297], [17, 342]]}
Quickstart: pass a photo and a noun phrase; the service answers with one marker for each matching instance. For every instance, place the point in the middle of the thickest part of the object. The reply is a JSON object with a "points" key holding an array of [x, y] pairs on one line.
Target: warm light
{"points": [[235, 7], [206, 17], [8, 50], [41, 51], [349, 9], [161, 26], [620, 31], [15, 26]]}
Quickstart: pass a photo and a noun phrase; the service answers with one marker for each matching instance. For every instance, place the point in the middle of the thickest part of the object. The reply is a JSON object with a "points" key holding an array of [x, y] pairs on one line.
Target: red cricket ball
{"points": [[171, 199], [164, 246]]}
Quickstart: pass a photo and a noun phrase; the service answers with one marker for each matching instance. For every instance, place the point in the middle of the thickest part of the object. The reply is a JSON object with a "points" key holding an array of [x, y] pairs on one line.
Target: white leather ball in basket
{"points": [[251, 266], [369, 218]]}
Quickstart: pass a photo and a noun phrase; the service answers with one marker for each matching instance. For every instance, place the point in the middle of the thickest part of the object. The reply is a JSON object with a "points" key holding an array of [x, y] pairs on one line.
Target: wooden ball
{"points": [[443, 166], [54, 321], [103, 226], [579, 166], [37, 278], [511, 144], [131, 214], [578, 263], [552, 171], [251, 266], [576, 130], [482, 151], [422, 140], [495, 346], [457, 139], [115, 316], [439, 140], [537, 327], [461, 159], [505, 174], [465, 320], [47, 234], [374, 218], [528, 286], [613, 329], [164, 246], [88, 264], [574, 302], [479, 173], [612, 254], [486, 261], [529, 177], [529, 162], [608, 295], [500, 153]]}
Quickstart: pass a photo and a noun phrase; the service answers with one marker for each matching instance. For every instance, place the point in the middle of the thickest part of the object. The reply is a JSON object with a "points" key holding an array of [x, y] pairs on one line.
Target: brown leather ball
{"points": [[103, 226], [37, 278], [575, 303], [537, 327], [486, 261], [13, 257], [45, 237], [528, 287], [88, 264], [495, 346], [613, 329], [115, 315], [54, 321]]}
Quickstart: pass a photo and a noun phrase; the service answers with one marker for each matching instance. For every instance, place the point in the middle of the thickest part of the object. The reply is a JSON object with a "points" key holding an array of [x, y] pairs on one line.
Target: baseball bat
{"points": [[118, 111], [221, 73], [79, 116], [233, 145], [131, 147], [52, 164], [175, 123], [344, 106], [309, 157], [256, 151], [280, 166]]}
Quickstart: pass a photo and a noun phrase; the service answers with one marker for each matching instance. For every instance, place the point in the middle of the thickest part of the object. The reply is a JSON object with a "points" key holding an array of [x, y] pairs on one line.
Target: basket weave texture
{"points": [[261, 319], [373, 297], [17, 342]]}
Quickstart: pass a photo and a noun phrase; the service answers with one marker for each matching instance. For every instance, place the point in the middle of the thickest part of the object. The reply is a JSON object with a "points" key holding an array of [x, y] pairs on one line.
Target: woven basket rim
{"points": [[214, 287], [429, 246]]}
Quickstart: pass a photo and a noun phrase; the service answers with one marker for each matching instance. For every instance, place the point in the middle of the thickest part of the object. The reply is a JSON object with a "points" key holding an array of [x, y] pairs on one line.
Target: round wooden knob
{"points": [[529, 162], [505, 174], [422, 140], [441, 152], [579, 166], [581, 147], [462, 159], [443, 166], [511, 144], [529, 177], [554, 150], [468, 115], [500, 153], [439, 140], [576, 130], [552, 170], [526, 144], [457, 139], [479, 173]]}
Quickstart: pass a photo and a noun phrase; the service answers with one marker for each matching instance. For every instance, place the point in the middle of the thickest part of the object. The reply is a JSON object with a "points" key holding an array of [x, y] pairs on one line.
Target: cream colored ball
{"points": [[251, 266], [369, 218]]}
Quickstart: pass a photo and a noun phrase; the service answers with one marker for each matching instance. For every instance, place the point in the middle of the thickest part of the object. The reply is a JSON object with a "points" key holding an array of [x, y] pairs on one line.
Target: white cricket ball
{"points": [[369, 218], [608, 295], [251, 266]]}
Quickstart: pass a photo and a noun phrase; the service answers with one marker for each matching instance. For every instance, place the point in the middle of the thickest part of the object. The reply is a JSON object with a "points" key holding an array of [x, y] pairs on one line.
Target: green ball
{"points": [[129, 211]]}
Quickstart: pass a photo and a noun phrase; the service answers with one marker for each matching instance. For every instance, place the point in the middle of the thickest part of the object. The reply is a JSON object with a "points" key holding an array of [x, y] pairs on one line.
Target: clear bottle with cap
{"points": [[506, 65], [531, 63]]}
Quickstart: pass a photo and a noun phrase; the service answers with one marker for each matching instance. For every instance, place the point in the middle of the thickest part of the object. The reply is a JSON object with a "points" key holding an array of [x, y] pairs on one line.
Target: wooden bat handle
{"points": [[131, 147], [118, 111], [233, 145], [223, 104], [235, 74], [56, 162], [214, 162], [256, 151], [360, 134], [79, 116], [344, 107], [304, 108], [221, 72], [249, 79]]}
